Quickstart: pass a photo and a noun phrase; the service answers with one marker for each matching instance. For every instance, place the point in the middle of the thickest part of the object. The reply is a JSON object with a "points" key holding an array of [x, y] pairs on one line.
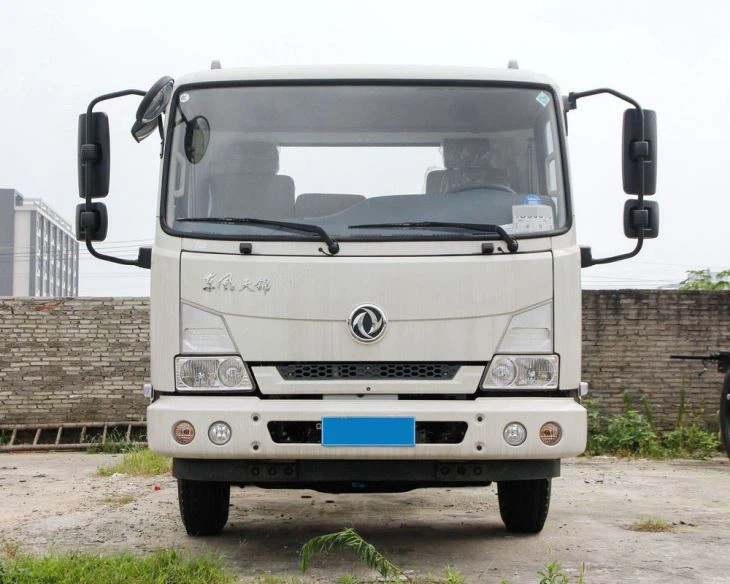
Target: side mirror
{"points": [[155, 100], [151, 107], [92, 223], [93, 156], [197, 138], [140, 130], [636, 219], [639, 156]]}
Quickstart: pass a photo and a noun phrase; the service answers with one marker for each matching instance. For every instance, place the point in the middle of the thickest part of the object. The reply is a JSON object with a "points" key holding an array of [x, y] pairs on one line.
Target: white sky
{"points": [[672, 56]]}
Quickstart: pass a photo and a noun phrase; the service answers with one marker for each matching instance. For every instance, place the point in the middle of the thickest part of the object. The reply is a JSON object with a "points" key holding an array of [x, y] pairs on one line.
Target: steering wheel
{"points": [[492, 186]]}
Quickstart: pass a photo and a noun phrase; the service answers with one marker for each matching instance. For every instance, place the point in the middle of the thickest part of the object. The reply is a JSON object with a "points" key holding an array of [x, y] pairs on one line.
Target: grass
{"points": [[163, 566], [633, 433], [651, 525], [138, 462], [116, 443], [170, 566]]}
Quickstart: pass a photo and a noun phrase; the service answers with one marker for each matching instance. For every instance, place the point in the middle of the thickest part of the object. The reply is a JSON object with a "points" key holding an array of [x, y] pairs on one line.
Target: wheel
{"points": [[725, 414], [524, 505], [203, 506]]}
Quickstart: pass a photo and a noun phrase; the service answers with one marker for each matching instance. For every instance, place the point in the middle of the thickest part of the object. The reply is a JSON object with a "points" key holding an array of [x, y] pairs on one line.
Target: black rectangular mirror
{"points": [[636, 219], [93, 156], [93, 222], [633, 148]]}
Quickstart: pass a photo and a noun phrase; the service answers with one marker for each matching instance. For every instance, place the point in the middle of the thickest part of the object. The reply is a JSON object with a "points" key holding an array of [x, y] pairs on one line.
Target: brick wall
{"points": [[72, 360], [628, 336], [85, 359]]}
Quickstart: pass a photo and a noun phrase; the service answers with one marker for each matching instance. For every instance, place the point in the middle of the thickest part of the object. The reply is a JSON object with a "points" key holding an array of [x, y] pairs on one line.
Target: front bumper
{"points": [[250, 440]]}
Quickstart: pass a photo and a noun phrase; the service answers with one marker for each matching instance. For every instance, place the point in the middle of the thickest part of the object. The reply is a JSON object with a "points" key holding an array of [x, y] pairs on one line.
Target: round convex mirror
{"points": [[197, 138], [155, 100]]}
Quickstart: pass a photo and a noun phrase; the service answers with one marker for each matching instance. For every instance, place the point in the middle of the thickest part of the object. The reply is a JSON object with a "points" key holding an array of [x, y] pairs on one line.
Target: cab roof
{"points": [[366, 72]]}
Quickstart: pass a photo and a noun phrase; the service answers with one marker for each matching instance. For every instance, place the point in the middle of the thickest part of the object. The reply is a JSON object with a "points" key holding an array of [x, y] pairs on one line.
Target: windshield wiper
{"points": [[512, 244], [332, 246]]}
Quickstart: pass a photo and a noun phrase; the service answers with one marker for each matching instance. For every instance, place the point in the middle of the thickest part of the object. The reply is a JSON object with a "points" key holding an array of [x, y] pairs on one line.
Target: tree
{"points": [[706, 280]]}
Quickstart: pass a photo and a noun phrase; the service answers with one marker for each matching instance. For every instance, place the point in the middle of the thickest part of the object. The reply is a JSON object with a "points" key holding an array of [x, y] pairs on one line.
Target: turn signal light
{"points": [[551, 433], [183, 432]]}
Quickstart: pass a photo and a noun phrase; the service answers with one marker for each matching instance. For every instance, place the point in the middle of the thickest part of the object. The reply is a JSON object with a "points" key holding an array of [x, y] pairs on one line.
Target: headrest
{"points": [[466, 153], [248, 157]]}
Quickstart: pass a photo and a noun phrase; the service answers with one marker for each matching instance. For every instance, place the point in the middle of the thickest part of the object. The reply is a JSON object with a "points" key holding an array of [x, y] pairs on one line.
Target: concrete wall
{"points": [[86, 359]]}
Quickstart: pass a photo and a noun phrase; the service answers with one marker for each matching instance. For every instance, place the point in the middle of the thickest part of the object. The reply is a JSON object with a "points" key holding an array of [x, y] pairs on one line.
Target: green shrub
{"points": [[633, 434], [694, 441]]}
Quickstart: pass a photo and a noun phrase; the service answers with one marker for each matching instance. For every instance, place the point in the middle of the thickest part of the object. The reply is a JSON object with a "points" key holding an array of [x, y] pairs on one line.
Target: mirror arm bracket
{"points": [[639, 151], [587, 260], [144, 256], [90, 153]]}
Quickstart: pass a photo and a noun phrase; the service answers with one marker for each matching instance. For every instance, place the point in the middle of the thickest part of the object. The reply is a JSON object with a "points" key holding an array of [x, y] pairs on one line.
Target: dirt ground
{"points": [[54, 501]]}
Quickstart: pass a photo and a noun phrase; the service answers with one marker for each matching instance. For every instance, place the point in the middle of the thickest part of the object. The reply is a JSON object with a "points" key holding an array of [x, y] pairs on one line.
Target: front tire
{"points": [[203, 506], [725, 414], [524, 505]]}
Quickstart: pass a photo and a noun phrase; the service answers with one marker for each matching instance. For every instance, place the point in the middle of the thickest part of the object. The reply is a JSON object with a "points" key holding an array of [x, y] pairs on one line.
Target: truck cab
{"points": [[364, 279]]}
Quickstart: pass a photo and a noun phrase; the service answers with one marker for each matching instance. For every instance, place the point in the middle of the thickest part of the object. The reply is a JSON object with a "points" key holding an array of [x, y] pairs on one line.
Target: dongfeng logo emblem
{"points": [[367, 323]]}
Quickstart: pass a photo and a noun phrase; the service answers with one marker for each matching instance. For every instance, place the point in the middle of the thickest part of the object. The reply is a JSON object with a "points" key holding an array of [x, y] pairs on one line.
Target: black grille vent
{"points": [[371, 370]]}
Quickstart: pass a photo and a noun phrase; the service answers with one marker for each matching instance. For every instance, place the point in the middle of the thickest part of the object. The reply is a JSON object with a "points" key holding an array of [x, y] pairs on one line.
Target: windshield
{"points": [[349, 158]]}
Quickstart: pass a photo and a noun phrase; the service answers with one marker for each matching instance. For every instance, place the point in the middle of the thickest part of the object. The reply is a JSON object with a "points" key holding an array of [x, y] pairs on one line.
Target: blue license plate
{"points": [[368, 432]]}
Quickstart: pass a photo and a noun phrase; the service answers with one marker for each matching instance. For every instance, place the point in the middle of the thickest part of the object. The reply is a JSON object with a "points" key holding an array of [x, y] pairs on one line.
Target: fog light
{"points": [[219, 433], [514, 434], [550, 433], [183, 432]]}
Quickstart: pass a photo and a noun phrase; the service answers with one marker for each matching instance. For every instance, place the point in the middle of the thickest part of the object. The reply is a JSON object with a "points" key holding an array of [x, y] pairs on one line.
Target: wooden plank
{"points": [[68, 425]]}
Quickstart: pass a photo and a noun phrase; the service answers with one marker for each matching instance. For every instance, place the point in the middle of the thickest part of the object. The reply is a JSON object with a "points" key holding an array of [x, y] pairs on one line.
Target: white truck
{"points": [[364, 279]]}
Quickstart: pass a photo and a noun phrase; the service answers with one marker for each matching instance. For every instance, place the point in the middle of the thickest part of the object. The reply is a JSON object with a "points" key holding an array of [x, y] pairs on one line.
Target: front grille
{"points": [[310, 432], [369, 370]]}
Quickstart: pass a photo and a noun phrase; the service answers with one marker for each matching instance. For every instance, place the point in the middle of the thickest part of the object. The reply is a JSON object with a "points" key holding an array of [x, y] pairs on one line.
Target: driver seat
{"points": [[468, 165]]}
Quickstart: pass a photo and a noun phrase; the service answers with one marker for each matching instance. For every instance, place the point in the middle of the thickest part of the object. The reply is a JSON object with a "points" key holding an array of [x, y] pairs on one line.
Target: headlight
{"points": [[522, 372], [203, 332], [212, 374]]}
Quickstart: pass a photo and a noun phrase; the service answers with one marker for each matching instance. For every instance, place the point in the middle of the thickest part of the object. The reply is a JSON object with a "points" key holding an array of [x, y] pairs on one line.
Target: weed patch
{"points": [[651, 525], [348, 539], [9, 549], [138, 462], [119, 501], [269, 578]]}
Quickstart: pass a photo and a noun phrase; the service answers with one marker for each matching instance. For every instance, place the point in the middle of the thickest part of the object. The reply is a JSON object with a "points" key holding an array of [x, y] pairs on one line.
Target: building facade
{"points": [[39, 255]]}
